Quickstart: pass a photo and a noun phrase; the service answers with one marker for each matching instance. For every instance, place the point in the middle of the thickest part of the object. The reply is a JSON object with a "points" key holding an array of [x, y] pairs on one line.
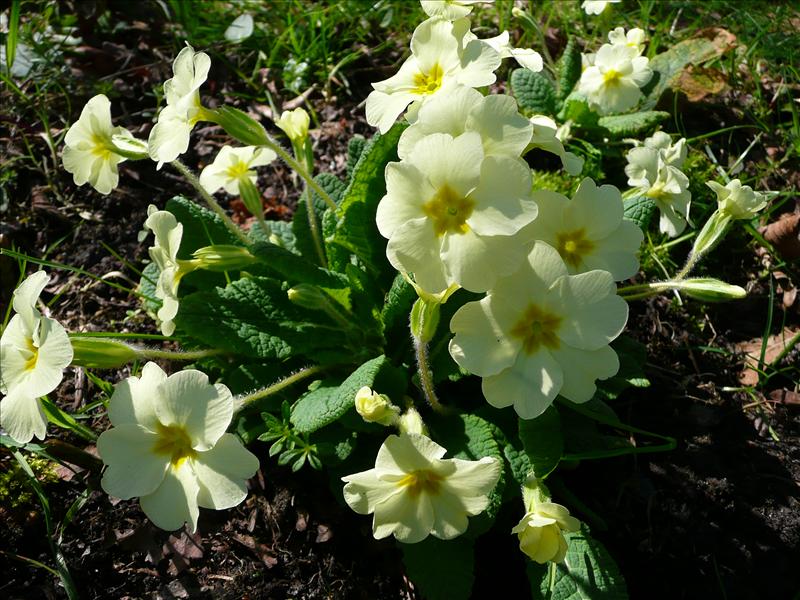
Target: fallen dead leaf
{"points": [[784, 235], [752, 351], [785, 397], [262, 551], [700, 82]]}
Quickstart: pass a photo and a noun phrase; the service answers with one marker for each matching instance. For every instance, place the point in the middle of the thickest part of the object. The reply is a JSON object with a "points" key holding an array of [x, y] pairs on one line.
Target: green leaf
{"points": [[282, 230], [640, 210], [355, 228], [334, 444], [569, 68], [396, 311], [587, 573], [331, 400], [442, 570], [201, 227], [668, 65], [576, 109], [633, 124], [542, 440], [300, 227], [632, 357], [355, 147], [147, 286], [294, 268], [254, 317], [534, 92]]}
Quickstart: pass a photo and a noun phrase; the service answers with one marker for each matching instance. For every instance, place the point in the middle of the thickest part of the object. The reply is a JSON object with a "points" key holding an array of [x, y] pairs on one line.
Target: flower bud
{"points": [[424, 319], [713, 231], [411, 422], [294, 124], [240, 126], [540, 532], [101, 353], [376, 408], [709, 289], [222, 257], [307, 296]]}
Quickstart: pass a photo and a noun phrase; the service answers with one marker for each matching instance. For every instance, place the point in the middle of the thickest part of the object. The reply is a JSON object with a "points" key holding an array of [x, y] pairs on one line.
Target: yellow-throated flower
{"points": [[612, 83], [231, 165]]}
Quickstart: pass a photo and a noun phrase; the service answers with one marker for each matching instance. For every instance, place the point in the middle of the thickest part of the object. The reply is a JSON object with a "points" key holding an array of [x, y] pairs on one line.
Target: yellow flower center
{"points": [[573, 246], [611, 77], [428, 83], [174, 442], [100, 146], [30, 364], [537, 328], [421, 481], [237, 170], [656, 192], [449, 211]]}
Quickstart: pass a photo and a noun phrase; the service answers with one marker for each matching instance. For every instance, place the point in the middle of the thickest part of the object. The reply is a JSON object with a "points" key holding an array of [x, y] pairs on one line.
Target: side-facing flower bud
{"points": [[294, 124], [223, 257], [98, 353], [240, 125], [709, 289], [376, 408], [307, 296], [411, 422]]}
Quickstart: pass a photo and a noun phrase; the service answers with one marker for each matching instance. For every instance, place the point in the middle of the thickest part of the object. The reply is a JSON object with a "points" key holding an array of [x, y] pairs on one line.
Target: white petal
{"points": [[530, 385], [22, 417], [480, 345], [473, 478], [475, 262], [414, 248], [450, 513], [189, 400], [503, 204], [364, 491], [26, 296], [222, 473], [618, 252], [582, 368], [409, 518], [134, 399], [55, 353], [454, 162], [175, 501], [402, 454], [384, 108], [503, 130], [479, 61], [597, 209], [133, 469], [407, 189]]}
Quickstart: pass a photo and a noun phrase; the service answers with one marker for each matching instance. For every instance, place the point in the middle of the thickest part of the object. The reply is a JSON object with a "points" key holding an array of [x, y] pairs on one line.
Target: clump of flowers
{"points": [[613, 80]]}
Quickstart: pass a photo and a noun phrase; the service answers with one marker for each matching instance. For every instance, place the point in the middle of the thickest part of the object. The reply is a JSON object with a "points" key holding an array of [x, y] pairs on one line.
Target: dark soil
{"points": [[719, 517]]}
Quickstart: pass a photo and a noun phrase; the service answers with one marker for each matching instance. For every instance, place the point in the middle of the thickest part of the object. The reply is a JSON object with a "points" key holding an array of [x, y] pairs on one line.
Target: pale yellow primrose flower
{"points": [[414, 492], [441, 56], [170, 135], [526, 57], [168, 447], [596, 7], [449, 9], [294, 123], [450, 213], [633, 39], [540, 532], [89, 149], [612, 84], [737, 200], [545, 137], [34, 350], [376, 408], [540, 332], [231, 165], [655, 178], [168, 233], [496, 118], [673, 154], [589, 231]]}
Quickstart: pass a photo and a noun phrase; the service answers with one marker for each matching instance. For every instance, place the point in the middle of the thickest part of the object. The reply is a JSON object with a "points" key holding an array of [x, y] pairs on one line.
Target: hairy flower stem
{"points": [[313, 227], [244, 401], [426, 377], [209, 199], [167, 355], [300, 170]]}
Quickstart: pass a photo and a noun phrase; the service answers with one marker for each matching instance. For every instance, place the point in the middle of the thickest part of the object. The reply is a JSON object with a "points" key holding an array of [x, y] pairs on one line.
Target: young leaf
{"points": [[329, 401], [442, 570], [569, 68], [542, 440], [355, 147], [631, 125], [534, 92], [640, 210], [355, 228]]}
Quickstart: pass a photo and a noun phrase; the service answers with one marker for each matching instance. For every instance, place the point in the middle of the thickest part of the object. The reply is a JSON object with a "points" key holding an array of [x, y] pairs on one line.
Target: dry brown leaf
{"points": [[699, 82], [784, 235], [785, 397], [752, 351]]}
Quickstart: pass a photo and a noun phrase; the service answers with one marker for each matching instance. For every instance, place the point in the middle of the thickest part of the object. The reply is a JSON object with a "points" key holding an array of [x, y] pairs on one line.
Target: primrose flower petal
{"points": [[233, 164], [449, 9], [737, 200], [649, 172], [443, 54], [169, 137], [612, 84], [633, 39], [540, 332], [451, 213], [376, 408], [168, 447], [294, 123], [589, 231], [545, 137], [540, 532], [414, 492], [34, 350], [596, 7], [526, 57], [89, 150]]}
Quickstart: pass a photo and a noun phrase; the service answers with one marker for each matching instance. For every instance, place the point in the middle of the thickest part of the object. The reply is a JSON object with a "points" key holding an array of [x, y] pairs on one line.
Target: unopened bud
{"points": [[411, 422], [101, 353], [711, 290], [240, 125], [294, 124], [307, 296], [223, 257], [376, 408]]}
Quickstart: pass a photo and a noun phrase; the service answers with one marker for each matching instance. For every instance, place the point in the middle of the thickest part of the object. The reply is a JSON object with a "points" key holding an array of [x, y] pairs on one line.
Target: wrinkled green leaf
{"points": [[355, 147], [542, 440], [569, 68], [534, 92], [296, 269], [640, 210], [632, 125], [300, 227]]}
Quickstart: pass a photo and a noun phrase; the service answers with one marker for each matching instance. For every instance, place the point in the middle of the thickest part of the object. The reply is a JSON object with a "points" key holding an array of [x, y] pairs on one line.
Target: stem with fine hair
{"points": [[426, 377], [209, 199], [276, 387], [313, 227], [179, 355]]}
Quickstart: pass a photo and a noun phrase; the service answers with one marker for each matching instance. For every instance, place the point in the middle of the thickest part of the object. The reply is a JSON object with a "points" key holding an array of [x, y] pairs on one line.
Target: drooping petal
{"points": [[22, 417], [132, 468], [365, 491], [174, 502], [222, 473]]}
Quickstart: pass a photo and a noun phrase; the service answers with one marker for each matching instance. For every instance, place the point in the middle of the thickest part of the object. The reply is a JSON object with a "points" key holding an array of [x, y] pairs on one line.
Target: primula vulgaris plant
{"points": [[509, 292]]}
